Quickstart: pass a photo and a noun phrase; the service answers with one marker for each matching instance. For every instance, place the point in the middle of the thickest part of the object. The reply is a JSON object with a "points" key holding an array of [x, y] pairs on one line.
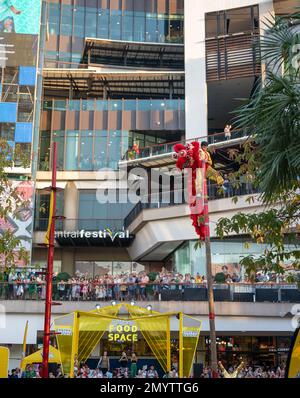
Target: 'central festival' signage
{"points": [[106, 233], [101, 237]]}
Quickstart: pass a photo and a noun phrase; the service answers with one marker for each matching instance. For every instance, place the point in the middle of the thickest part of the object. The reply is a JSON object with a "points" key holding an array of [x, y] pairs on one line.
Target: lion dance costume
{"points": [[198, 162]]}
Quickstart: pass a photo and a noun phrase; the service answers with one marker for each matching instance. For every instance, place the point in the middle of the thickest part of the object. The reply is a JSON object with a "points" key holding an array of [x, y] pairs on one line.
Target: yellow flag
{"points": [[4, 360], [25, 340], [293, 362], [47, 236]]}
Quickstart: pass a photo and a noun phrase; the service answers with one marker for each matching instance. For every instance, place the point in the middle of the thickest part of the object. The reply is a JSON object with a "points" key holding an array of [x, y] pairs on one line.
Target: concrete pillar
{"points": [[70, 207], [195, 69], [68, 261], [194, 57]]}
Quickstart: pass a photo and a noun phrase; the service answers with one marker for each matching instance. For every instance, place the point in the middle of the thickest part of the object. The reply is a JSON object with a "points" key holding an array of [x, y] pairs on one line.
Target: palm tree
{"points": [[272, 115]]}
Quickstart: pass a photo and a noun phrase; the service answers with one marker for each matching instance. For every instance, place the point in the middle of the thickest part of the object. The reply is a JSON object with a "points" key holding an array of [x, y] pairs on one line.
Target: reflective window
{"points": [[127, 26], [86, 150], [79, 22], [103, 23], [66, 20], [71, 161], [139, 26], [90, 22], [114, 148], [54, 18], [115, 24], [74, 105], [115, 105], [151, 27], [100, 149]]}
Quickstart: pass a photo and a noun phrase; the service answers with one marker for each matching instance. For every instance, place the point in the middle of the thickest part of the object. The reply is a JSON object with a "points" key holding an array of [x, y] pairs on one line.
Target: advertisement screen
{"points": [[20, 16]]}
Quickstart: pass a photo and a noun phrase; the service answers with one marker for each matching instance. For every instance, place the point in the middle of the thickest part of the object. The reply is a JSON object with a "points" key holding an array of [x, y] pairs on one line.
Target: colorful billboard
{"points": [[19, 222], [20, 16]]}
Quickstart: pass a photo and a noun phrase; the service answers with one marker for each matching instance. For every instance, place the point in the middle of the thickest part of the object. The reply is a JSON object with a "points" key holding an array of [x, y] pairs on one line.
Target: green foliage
{"points": [[63, 276]]}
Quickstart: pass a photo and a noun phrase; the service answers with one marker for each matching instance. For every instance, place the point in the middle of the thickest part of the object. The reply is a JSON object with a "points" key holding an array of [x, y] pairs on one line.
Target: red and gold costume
{"points": [[199, 162]]}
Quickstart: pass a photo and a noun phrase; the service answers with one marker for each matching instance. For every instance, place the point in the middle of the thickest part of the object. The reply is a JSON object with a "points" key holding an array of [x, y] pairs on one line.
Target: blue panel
{"points": [[23, 132], [8, 112], [27, 75]]}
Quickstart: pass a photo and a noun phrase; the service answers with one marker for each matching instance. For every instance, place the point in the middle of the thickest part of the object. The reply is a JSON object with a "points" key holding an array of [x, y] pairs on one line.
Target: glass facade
{"points": [[95, 215], [93, 148], [224, 253], [114, 105], [94, 268], [141, 21], [254, 350]]}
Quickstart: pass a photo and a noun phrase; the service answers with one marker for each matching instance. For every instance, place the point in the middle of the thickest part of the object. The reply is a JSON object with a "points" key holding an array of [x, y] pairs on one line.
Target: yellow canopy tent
{"points": [[37, 357]]}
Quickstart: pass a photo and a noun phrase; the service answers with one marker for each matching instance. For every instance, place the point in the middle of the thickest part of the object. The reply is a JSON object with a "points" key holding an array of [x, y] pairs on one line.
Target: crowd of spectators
{"points": [[249, 372], [148, 372], [24, 284]]}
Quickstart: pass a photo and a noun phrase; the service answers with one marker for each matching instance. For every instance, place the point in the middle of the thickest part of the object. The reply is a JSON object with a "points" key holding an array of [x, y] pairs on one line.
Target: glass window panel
{"points": [[162, 28], [115, 105], [238, 20], [151, 27], [60, 105], [44, 150], [139, 26], [145, 105], [85, 268], [176, 29], [129, 105], [172, 105], [125, 142], [211, 24], [54, 18], [137, 267], [102, 267], [88, 105], [66, 20], [103, 23], [100, 149], [85, 210], [91, 22], [86, 150], [101, 105], [58, 136], [127, 26], [72, 150], [74, 105], [79, 21], [115, 25], [114, 149], [7, 131], [121, 267]]}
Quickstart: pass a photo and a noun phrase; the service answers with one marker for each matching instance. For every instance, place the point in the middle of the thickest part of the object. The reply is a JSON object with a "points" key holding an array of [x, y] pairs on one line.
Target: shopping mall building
{"points": [[111, 75]]}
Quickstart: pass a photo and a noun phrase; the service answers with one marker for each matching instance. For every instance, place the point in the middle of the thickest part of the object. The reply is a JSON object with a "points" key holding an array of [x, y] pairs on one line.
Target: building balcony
{"points": [[161, 154]]}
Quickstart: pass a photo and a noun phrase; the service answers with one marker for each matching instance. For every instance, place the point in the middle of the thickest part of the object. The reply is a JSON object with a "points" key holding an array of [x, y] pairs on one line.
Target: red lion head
{"points": [[187, 156]]}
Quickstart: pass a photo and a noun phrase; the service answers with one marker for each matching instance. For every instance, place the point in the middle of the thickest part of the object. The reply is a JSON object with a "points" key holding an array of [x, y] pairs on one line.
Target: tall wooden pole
{"points": [[49, 274], [210, 292]]}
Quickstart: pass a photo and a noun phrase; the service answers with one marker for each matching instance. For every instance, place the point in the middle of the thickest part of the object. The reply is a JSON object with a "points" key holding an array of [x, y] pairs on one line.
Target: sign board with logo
{"points": [[102, 237]]}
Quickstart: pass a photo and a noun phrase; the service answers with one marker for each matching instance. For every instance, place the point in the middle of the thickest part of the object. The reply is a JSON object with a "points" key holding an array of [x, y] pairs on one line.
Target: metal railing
{"points": [[171, 291], [166, 148], [174, 198]]}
